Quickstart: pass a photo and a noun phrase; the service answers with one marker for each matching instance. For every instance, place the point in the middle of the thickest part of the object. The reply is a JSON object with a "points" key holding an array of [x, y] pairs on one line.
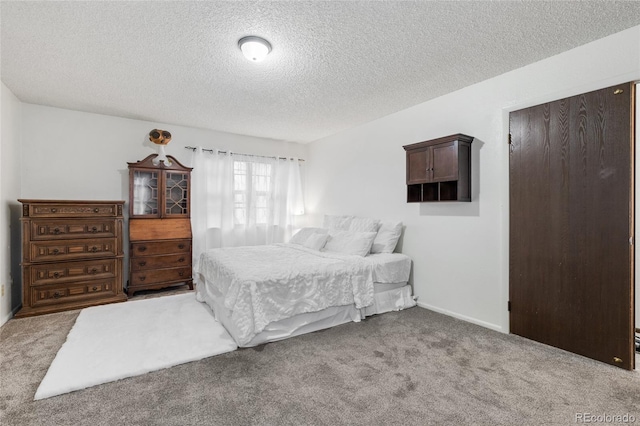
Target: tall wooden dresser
{"points": [[71, 255], [159, 224]]}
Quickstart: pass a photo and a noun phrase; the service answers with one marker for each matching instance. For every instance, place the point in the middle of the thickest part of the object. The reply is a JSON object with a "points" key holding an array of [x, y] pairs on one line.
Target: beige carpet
{"points": [[414, 367]]}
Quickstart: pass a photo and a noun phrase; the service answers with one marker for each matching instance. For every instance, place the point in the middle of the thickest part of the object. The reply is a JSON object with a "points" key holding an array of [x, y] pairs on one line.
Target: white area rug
{"points": [[115, 341]]}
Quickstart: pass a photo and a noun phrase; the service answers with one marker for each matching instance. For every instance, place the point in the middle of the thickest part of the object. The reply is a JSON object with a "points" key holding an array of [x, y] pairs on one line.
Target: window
{"points": [[251, 178]]}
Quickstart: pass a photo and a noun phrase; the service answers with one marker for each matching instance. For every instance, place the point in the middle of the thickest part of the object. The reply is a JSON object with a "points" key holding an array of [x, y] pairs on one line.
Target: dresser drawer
{"points": [[160, 247], [42, 229], [54, 209], [53, 273], [72, 249], [164, 261], [142, 278], [73, 292]]}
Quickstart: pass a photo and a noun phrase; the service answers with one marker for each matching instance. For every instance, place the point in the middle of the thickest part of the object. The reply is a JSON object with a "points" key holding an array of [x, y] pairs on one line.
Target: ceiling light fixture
{"points": [[254, 48]]}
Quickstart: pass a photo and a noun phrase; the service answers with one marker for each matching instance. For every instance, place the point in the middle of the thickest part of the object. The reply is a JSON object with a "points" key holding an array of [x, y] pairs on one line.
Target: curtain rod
{"points": [[193, 148]]}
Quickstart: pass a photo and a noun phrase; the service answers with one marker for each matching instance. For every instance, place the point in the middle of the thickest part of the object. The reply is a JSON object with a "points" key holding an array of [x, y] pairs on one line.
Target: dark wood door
{"points": [[571, 260]]}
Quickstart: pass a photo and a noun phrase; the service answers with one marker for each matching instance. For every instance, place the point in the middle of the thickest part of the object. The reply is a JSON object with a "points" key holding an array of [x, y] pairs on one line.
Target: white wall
{"points": [[9, 207], [78, 155], [460, 250]]}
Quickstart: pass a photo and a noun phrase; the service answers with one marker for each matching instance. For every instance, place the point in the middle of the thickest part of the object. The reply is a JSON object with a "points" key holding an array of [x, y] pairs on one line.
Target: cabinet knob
{"points": [[94, 229], [96, 210], [94, 270], [54, 210], [181, 246], [181, 259], [93, 249], [57, 295], [56, 251], [56, 230], [94, 288], [56, 275], [142, 278], [181, 273], [142, 248], [142, 263]]}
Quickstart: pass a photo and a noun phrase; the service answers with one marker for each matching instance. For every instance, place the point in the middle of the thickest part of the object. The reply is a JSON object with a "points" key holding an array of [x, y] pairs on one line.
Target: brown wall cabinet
{"points": [[71, 255], [159, 225], [439, 169]]}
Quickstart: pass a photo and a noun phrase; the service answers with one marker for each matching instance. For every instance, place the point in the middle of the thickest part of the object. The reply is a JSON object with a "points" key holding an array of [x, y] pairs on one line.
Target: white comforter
{"points": [[262, 284]]}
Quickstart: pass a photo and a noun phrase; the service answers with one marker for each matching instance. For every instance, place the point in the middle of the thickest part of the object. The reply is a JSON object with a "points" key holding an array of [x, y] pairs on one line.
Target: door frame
{"points": [[504, 162]]}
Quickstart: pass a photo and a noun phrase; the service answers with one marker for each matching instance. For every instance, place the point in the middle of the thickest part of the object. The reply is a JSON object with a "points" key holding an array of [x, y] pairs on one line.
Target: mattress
{"points": [[389, 267]]}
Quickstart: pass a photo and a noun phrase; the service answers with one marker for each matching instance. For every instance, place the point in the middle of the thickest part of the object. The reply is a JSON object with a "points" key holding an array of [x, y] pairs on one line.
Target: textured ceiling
{"points": [[334, 65]]}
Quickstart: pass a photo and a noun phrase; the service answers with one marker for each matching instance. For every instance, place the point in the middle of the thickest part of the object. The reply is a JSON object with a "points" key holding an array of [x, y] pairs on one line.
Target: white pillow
{"points": [[387, 237], [316, 241], [337, 222], [303, 234], [350, 242], [364, 224]]}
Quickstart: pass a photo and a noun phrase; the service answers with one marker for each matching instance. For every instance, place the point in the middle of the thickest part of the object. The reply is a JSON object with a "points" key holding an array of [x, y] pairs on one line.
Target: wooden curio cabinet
{"points": [[439, 169], [159, 224]]}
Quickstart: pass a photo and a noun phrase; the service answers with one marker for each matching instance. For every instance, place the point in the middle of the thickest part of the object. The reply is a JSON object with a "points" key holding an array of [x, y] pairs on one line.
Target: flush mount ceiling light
{"points": [[254, 48]]}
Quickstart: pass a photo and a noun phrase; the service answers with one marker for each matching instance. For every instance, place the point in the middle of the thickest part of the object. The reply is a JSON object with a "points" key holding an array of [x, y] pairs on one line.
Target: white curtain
{"points": [[239, 200]]}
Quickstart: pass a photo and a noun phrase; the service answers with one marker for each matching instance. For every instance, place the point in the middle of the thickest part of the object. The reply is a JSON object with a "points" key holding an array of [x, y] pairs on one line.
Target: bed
{"points": [[267, 293]]}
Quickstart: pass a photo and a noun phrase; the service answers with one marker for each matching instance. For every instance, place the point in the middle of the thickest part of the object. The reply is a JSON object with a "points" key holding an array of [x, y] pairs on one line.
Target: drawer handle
{"points": [[56, 231], [96, 210], [142, 263], [142, 278], [93, 249], [94, 288], [57, 295], [94, 270], [54, 210], [94, 229], [56, 275], [181, 259], [56, 251], [180, 246], [142, 248]]}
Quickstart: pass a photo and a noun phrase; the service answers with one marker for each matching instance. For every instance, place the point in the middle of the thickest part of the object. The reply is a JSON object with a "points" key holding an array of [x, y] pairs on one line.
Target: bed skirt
{"points": [[387, 298]]}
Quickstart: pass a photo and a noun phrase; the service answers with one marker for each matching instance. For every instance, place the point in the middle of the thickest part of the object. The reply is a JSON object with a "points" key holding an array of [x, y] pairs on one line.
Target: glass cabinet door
{"points": [[176, 193], [145, 192]]}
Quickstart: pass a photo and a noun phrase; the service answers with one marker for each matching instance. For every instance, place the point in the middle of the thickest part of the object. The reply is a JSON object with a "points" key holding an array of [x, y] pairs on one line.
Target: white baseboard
{"points": [[10, 315], [462, 317]]}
